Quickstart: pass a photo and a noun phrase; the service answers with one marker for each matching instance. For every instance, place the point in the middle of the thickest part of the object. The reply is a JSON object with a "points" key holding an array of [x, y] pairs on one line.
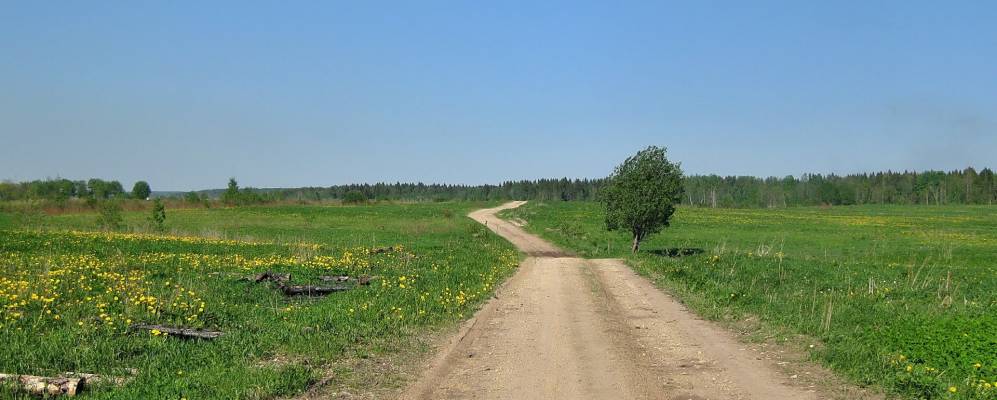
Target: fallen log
{"points": [[360, 280], [42, 385], [94, 379], [309, 290], [334, 278], [272, 277], [183, 333]]}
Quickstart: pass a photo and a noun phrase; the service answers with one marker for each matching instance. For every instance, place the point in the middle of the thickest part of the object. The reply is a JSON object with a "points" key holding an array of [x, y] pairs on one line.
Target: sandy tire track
{"points": [[572, 328]]}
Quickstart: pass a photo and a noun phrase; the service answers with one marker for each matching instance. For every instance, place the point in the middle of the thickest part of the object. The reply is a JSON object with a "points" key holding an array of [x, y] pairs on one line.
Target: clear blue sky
{"points": [[186, 95]]}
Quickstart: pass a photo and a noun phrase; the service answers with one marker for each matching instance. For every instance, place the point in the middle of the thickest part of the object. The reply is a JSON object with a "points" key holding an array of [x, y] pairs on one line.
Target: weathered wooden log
{"points": [[334, 278], [309, 290], [42, 385], [360, 280], [94, 379], [183, 333], [272, 277]]}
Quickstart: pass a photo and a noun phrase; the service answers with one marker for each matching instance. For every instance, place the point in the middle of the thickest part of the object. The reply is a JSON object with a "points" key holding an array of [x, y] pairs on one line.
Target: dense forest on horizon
{"points": [[965, 186]]}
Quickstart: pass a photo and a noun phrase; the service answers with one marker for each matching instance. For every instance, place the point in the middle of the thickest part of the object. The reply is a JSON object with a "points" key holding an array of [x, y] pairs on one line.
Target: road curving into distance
{"points": [[571, 328]]}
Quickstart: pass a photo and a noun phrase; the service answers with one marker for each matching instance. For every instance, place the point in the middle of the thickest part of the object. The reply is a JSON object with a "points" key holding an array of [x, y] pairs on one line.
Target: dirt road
{"points": [[572, 328]]}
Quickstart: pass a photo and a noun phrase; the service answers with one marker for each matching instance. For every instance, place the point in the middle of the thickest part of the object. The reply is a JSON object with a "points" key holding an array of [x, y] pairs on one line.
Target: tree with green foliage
{"points": [[354, 197], [101, 189], [141, 190], [192, 197], [231, 194], [158, 217], [249, 196], [641, 195], [110, 215]]}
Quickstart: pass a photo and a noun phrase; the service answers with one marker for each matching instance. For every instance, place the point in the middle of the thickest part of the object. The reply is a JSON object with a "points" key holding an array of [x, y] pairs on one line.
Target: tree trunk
{"points": [[969, 189], [636, 245]]}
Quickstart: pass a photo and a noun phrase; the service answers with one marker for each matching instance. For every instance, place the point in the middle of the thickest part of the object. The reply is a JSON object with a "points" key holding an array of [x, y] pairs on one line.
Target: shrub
{"points": [[110, 215], [192, 197], [231, 194], [354, 197], [158, 217]]}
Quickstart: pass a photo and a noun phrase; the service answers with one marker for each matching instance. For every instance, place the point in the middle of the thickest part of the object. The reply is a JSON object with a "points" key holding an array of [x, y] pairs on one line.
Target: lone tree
{"points": [[158, 217], [641, 194], [110, 215], [141, 190], [231, 195]]}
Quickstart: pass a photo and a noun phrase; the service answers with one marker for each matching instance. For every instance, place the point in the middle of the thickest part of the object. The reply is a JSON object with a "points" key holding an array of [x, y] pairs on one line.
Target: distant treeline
{"points": [[540, 189], [62, 189], [930, 187]]}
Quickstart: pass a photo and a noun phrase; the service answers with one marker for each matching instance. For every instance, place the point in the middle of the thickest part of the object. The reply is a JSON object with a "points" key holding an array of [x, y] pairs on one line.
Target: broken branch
{"points": [[183, 333], [334, 278], [308, 290], [272, 277]]}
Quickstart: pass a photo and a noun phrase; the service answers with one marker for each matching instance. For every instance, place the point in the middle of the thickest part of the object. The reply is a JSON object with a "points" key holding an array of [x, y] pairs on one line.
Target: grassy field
{"points": [[899, 297], [69, 293]]}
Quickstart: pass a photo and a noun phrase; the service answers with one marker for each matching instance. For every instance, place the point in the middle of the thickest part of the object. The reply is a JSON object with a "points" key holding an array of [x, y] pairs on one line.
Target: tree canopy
{"points": [[141, 190], [641, 195]]}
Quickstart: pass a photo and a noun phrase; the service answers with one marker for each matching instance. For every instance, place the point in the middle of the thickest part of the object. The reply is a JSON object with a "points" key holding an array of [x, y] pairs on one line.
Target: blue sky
{"points": [[186, 95]]}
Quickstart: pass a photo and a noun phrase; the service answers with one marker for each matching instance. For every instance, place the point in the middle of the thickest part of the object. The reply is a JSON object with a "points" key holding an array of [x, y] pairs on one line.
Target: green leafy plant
{"points": [[158, 217], [192, 197], [354, 197], [110, 215], [141, 190], [642, 193], [231, 194]]}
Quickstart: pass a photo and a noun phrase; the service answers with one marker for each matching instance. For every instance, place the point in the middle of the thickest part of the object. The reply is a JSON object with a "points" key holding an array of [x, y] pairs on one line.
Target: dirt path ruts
{"points": [[573, 328]]}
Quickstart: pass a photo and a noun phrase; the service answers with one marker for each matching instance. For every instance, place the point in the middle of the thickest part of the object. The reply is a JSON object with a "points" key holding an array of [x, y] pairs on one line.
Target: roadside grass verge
{"points": [[901, 297], [68, 295]]}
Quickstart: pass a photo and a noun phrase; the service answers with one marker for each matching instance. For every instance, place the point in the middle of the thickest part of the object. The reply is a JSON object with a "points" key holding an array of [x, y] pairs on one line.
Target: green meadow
{"points": [[898, 297], [70, 296]]}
